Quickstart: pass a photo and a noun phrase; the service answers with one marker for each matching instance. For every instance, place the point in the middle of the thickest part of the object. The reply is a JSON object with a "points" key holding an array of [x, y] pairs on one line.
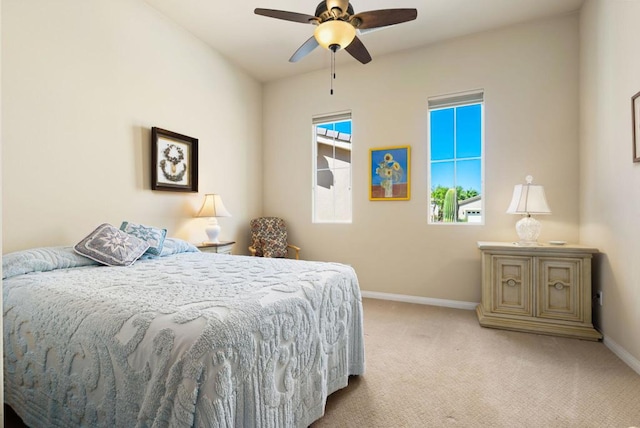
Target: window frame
{"points": [[322, 120], [442, 102]]}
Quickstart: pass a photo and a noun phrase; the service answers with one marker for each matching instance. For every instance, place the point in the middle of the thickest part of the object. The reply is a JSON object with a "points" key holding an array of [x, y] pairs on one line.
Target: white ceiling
{"points": [[262, 46]]}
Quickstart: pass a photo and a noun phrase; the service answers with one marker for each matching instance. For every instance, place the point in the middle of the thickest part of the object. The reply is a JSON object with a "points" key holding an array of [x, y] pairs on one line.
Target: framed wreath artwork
{"points": [[174, 161]]}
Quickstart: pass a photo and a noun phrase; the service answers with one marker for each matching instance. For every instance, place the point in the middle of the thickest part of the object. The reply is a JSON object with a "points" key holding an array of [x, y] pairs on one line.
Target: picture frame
{"points": [[174, 161], [635, 114], [390, 173]]}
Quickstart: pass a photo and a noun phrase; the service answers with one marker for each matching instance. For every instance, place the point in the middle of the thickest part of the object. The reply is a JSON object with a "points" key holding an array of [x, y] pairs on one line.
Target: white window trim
{"points": [[317, 120], [439, 102]]}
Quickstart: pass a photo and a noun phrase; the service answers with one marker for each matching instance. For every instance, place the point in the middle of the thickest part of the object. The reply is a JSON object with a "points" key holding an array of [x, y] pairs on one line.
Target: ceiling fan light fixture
{"points": [[334, 32]]}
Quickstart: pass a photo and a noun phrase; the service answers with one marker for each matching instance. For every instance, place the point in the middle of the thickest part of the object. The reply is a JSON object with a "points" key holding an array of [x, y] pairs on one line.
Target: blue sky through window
{"points": [[344, 126], [456, 136]]}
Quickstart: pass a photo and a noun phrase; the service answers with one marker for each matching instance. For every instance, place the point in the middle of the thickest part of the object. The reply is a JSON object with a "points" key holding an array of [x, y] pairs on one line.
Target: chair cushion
{"points": [[273, 248], [257, 245], [269, 232]]}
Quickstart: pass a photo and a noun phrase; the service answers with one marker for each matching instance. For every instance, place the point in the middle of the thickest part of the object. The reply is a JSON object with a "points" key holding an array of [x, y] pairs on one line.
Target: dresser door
{"points": [[512, 290], [559, 289]]}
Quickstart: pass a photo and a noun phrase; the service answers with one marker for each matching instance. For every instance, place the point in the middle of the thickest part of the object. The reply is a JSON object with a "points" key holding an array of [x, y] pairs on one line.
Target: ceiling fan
{"points": [[337, 24]]}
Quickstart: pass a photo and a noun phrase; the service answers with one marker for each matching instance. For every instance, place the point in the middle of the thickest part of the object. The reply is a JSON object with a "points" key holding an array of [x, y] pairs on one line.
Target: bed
{"points": [[184, 339]]}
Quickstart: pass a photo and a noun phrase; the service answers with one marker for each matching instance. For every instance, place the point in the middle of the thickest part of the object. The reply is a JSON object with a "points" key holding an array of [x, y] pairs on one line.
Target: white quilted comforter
{"points": [[192, 339]]}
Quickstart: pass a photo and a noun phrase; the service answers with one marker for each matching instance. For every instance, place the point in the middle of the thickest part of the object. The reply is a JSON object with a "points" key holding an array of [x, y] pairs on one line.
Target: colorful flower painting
{"points": [[389, 176]]}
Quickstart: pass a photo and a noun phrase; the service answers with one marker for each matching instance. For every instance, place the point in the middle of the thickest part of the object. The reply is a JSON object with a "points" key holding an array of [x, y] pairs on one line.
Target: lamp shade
{"points": [[334, 32], [528, 199], [213, 207]]}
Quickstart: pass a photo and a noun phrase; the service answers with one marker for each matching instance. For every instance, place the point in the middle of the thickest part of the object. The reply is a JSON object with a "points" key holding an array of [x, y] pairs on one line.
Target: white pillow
{"points": [[42, 260]]}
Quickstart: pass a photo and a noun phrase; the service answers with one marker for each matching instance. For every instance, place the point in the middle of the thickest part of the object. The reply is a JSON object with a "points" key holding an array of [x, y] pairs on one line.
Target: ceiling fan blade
{"points": [[305, 49], [358, 51], [287, 16], [383, 17]]}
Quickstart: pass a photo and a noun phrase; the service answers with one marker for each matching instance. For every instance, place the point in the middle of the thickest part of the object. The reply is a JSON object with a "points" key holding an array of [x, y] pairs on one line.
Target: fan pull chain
{"points": [[333, 68]]}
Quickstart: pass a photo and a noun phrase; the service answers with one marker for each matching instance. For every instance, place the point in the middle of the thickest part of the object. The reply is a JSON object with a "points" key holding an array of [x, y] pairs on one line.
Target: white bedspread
{"points": [[192, 339]]}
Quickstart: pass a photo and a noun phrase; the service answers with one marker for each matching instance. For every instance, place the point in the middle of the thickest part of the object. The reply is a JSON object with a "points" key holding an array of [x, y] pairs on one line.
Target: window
{"points": [[456, 136], [332, 168]]}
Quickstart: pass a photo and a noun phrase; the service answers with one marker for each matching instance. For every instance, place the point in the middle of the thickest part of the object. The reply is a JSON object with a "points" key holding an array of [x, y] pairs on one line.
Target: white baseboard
{"points": [[456, 304], [622, 353]]}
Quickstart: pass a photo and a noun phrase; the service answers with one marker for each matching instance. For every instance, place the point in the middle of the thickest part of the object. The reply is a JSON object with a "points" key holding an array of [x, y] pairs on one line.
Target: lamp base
{"points": [[528, 230], [213, 231]]}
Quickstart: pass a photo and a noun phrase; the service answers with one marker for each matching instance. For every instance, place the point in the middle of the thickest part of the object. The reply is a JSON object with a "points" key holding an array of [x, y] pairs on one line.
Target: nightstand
{"points": [[543, 289], [222, 247]]}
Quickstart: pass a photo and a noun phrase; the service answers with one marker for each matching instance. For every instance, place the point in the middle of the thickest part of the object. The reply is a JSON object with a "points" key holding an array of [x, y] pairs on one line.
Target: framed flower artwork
{"points": [[174, 161], [389, 178]]}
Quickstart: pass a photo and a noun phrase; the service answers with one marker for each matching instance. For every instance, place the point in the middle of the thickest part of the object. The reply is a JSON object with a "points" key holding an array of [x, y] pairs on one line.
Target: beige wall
{"points": [[610, 182], [83, 84], [529, 74]]}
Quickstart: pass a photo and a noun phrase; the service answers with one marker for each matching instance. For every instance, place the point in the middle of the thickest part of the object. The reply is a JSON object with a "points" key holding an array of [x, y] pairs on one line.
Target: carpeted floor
{"points": [[429, 366]]}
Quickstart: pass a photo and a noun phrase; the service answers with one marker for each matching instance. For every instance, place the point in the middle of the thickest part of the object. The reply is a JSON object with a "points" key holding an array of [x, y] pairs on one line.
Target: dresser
{"points": [[544, 289]]}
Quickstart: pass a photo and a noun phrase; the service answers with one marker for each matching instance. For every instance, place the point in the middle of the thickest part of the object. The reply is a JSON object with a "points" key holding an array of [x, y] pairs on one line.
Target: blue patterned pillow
{"points": [[153, 235], [111, 246]]}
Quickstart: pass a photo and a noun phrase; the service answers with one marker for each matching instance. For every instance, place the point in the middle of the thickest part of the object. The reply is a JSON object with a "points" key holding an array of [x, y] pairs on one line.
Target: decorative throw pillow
{"points": [[111, 246], [154, 236], [273, 248]]}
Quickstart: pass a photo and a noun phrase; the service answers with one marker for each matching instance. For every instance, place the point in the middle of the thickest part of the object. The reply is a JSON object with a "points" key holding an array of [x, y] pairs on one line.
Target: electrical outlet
{"points": [[599, 297]]}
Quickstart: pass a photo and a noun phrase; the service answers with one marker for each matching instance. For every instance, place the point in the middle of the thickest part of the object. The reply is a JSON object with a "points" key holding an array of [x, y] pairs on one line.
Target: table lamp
{"points": [[528, 199], [212, 207]]}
